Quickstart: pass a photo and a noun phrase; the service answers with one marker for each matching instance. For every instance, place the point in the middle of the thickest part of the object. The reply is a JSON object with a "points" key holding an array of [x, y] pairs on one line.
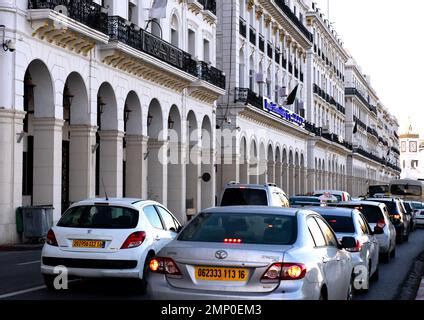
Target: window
{"points": [[328, 234], [153, 217], [362, 225], [250, 228], [244, 197], [192, 42], [99, 216], [340, 224], [170, 223], [316, 233], [206, 51]]}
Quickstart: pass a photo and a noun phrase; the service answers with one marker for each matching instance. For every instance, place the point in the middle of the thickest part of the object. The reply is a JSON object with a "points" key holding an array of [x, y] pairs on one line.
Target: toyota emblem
{"points": [[221, 254]]}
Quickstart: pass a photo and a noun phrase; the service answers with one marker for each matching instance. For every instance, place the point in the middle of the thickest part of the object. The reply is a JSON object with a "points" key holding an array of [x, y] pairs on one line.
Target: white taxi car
{"points": [[113, 238]]}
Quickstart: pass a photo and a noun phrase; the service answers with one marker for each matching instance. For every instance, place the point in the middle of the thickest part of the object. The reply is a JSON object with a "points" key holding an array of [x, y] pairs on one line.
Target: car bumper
{"points": [[158, 288], [419, 221], [91, 265], [384, 243]]}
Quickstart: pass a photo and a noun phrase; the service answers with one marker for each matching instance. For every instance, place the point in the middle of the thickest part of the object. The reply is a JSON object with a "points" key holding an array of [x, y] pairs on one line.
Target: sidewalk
{"points": [[420, 294]]}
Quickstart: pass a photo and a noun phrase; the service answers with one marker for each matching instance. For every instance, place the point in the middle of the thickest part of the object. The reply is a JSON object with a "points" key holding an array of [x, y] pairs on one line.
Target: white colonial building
{"points": [[327, 150], [372, 131], [98, 96], [262, 47], [412, 155]]}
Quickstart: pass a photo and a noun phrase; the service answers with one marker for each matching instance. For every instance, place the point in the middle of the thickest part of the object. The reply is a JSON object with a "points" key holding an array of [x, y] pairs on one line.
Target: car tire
{"points": [[386, 257], [49, 282], [393, 253], [142, 288]]}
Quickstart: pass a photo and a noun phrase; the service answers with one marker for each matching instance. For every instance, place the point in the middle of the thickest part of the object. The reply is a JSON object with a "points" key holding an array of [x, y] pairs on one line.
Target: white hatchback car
{"points": [[114, 238]]}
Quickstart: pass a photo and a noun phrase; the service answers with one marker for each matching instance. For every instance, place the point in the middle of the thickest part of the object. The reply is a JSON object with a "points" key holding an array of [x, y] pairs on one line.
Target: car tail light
{"points": [[397, 217], [164, 266], [135, 240], [284, 271], [232, 241], [51, 239], [381, 223], [357, 248]]}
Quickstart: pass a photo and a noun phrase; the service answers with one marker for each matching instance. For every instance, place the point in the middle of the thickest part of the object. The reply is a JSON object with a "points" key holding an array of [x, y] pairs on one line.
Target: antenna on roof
{"points": [[104, 188]]}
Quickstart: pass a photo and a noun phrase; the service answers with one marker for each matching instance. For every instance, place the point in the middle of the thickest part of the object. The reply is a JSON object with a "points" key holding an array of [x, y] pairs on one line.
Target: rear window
{"points": [[341, 224], [417, 205], [99, 217], [248, 227], [338, 197], [392, 207], [373, 190], [405, 190], [301, 201], [371, 213], [244, 197]]}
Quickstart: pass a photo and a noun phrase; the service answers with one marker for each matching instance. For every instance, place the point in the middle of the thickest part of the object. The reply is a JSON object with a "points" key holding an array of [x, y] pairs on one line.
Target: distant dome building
{"points": [[412, 155]]}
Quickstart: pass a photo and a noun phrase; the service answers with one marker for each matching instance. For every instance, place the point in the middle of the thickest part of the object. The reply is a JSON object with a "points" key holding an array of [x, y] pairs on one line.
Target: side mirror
{"points": [[179, 229], [348, 242], [378, 230]]}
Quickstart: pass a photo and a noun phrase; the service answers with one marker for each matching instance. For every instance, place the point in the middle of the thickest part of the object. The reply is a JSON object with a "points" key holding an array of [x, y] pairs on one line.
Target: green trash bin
{"points": [[19, 221]]}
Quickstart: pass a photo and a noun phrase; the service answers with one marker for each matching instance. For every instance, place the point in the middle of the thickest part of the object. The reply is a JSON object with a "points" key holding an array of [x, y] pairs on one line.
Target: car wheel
{"points": [[49, 282], [143, 282], [393, 253], [376, 275], [385, 257]]}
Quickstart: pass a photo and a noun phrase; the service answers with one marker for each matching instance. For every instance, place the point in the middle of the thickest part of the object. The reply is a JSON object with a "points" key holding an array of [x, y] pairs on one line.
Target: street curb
{"points": [[412, 282]]}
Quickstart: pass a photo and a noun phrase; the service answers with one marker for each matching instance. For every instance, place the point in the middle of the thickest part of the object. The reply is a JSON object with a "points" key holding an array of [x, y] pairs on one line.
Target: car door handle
{"points": [[157, 238]]}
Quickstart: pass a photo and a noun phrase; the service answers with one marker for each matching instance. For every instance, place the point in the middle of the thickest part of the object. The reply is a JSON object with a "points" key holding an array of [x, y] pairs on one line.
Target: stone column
{"points": [[176, 180], [11, 125], [271, 172], [136, 166], [253, 171], [48, 163], [208, 188], [193, 169], [244, 171], [292, 182], [279, 174], [111, 163], [82, 162], [263, 167], [157, 173], [312, 179], [285, 179]]}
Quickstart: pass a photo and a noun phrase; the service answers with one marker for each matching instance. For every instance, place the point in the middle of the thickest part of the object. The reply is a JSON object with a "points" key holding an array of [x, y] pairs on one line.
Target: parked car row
{"points": [[253, 246]]}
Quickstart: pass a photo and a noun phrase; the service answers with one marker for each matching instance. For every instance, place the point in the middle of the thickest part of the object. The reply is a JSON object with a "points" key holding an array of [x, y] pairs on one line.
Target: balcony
{"points": [[372, 132], [247, 96], [209, 5], [137, 51], [77, 26], [243, 28], [355, 92], [360, 123], [294, 19]]}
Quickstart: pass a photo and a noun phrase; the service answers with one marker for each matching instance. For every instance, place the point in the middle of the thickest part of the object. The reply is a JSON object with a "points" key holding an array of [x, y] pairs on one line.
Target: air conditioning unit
{"points": [[260, 77], [282, 92]]}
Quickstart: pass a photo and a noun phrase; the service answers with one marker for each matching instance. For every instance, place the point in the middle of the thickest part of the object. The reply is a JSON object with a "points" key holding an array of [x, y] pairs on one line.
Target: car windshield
{"points": [[338, 197], [99, 217], [391, 206], [417, 205], [405, 190], [248, 228], [372, 213], [340, 224], [244, 197]]}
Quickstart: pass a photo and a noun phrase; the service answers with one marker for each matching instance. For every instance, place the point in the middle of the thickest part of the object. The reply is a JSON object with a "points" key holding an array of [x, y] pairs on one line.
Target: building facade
{"points": [[412, 155], [128, 98], [107, 97]]}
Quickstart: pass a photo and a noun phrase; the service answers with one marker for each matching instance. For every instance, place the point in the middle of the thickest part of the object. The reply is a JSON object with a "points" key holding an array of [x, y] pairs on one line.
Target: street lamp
{"points": [[126, 113], [67, 102], [100, 104], [171, 123], [149, 120]]}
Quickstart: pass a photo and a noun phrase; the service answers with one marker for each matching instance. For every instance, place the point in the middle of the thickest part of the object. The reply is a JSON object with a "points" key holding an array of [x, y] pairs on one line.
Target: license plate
{"points": [[221, 274], [88, 244]]}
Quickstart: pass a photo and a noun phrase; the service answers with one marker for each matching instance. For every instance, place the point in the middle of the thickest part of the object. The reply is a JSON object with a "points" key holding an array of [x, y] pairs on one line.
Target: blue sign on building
{"points": [[283, 113]]}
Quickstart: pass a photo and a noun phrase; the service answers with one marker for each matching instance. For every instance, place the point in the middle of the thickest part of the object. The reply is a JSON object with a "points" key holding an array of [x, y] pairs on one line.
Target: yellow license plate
{"points": [[88, 244], [221, 274]]}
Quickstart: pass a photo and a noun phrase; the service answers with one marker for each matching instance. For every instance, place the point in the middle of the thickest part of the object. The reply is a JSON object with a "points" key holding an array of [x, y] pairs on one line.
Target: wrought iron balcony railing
{"points": [[144, 41], [247, 96], [294, 19], [86, 12], [355, 92], [209, 5]]}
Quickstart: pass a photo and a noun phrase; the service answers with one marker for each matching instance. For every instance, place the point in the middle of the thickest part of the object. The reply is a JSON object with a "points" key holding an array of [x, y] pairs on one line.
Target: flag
{"points": [[158, 10], [355, 129], [292, 96]]}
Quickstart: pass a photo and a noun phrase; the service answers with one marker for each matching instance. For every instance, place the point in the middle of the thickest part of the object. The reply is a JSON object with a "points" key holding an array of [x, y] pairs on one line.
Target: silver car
{"points": [[378, 218], [253, 253], [365, 255]]}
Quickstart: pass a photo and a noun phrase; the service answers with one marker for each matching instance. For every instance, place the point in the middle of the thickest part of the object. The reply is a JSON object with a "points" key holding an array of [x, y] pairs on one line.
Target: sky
{"points": [[385, 37]]}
